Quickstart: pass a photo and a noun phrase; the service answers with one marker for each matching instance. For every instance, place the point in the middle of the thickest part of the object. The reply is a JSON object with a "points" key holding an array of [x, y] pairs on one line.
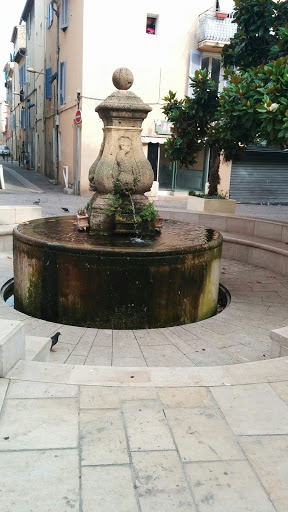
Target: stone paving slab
{"points": [[146, 448], [43, 480], [227, 486], [253, 409], [268, 456], [39, 423]]}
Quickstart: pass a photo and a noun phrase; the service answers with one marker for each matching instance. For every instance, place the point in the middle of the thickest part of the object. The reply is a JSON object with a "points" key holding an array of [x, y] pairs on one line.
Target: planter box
{"points": [[221, 15], [82, 222], [211, 205]]}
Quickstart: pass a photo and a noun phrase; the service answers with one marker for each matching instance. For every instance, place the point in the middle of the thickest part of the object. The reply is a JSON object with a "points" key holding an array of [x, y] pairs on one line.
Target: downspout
{"points": [[57, 88]]}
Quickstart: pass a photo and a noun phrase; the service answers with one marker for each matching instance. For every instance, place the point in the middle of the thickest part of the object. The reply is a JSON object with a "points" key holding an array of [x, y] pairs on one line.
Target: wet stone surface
{"points": [[82, 279], [175, 236]]}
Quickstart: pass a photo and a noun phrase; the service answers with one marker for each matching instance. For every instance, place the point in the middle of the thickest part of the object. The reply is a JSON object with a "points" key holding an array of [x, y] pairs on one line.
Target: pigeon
{"points": [[37, 202], [54, 340], [65, 209]]}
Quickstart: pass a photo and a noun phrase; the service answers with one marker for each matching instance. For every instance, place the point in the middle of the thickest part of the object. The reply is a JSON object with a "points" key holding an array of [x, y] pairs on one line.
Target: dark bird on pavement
{"points": [[54, 340], [65, 209], [37, 202]]}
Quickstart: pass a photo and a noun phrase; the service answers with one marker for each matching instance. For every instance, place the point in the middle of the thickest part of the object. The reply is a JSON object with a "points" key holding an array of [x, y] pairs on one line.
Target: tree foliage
{"points": [[262, 33], [255, 104], [191, 118]]}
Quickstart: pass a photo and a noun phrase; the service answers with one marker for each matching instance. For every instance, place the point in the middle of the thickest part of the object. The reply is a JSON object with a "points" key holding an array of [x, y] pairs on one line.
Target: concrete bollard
{"points": [[2, 184]]}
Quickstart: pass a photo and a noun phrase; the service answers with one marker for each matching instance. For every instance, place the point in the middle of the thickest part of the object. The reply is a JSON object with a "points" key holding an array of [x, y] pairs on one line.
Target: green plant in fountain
{"points": [[121, 200], [125, 188], [149, 213], [86, 210]]}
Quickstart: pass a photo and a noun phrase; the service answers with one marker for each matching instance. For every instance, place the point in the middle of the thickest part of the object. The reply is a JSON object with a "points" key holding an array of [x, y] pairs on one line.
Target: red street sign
{"points": [[78, 117]]}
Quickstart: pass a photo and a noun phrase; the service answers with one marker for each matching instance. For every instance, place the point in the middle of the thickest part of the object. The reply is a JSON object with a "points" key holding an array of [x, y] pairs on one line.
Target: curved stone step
{"points": [[271, 370]]}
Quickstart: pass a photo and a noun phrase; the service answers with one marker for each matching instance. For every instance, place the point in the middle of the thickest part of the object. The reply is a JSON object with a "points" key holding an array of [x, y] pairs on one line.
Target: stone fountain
{"points": [[121, 168], [106, 280]]}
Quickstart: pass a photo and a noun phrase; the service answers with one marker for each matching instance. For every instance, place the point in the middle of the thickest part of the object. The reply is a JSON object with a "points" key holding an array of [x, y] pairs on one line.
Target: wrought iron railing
{"points": [[212, 28]]}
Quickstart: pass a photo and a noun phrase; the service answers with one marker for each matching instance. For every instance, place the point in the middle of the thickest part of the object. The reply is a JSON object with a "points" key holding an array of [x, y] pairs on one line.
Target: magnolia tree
{"points": [[252, 107]]}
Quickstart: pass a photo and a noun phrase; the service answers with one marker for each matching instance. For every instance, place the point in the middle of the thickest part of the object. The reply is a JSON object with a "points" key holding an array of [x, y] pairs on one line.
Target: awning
{"points": [[154, 140]]}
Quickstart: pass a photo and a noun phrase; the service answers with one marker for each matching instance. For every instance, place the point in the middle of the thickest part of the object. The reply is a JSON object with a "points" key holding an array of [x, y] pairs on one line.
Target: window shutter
{"points": [[27, 78], [48, 85], [49, 15], [21, 76], [195, 63], [23, 113], [28, 25], [59, 83], [64, 81], [64, 19]]}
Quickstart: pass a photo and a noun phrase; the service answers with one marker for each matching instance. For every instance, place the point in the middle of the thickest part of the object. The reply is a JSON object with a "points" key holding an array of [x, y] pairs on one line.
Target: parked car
{"points": [[5, 150]]}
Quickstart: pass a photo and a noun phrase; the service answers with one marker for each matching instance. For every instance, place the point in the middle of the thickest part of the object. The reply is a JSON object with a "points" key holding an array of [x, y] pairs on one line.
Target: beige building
{"points": [[75, 45], [158, 42]]}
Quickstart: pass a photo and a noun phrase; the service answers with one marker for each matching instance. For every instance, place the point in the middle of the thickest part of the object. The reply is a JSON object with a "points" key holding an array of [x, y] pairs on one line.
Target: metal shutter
{"points": [[260, 177]]}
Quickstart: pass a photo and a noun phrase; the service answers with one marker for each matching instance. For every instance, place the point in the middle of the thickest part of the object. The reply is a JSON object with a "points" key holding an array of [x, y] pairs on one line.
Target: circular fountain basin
{"points": [[83, 279]]}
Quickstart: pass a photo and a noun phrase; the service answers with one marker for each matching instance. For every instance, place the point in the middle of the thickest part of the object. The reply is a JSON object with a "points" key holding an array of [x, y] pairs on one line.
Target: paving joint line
{"points": [[132, 469]]}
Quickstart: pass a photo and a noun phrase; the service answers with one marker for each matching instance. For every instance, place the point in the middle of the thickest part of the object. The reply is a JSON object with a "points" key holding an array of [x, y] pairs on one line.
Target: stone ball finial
{"points": [[123, 79]]}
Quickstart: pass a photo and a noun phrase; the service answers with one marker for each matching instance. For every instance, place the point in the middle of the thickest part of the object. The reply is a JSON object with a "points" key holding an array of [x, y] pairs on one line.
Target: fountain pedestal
{"points": [[121, 162]]}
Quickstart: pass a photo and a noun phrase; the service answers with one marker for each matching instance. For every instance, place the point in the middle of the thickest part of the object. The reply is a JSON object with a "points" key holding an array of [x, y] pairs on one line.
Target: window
{"points": [[151, 24], [199, 60], [48, 83], [49, 15], [213, 66], [62, 82], [64, 19]]}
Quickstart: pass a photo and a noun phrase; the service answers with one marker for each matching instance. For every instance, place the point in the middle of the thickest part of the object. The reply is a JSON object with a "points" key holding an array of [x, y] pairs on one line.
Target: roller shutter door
{"points": [[260, 177]]}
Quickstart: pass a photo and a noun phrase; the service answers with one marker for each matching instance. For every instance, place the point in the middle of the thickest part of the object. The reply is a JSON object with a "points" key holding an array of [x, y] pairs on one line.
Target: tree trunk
{"points": [[214, 178]]}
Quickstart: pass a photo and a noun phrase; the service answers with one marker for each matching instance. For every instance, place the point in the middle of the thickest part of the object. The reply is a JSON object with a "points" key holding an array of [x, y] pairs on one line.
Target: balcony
{"points": [[19, 41], [214, 31]]}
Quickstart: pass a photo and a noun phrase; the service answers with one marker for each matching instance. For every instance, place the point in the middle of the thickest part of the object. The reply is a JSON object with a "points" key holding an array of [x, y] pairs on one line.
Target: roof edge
{"points": [[26, 10]]}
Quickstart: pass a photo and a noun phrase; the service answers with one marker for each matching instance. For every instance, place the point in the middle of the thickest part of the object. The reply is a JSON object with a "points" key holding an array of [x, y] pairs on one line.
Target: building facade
{"points": [[72, 48], [34, 88]]}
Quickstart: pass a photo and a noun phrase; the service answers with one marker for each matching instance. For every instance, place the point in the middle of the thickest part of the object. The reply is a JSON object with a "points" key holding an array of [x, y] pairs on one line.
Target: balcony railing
{"points": [[214, 29]]}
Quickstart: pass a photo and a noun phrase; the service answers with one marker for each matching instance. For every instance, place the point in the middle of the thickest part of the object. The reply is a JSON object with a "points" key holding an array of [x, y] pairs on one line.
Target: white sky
{"points": [[226, 5], [11, 11]]}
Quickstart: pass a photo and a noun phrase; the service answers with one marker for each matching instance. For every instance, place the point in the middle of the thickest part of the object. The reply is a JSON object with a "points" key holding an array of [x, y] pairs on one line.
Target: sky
{"points": [[10, 16]]}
